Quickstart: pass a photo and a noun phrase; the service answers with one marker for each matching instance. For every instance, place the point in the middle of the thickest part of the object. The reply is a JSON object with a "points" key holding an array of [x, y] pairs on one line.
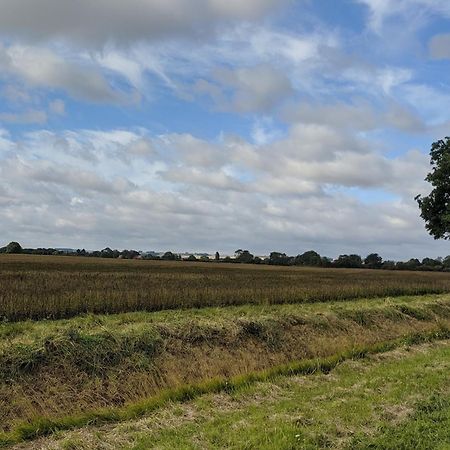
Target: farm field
{"points": [[36, 287], [93, 352]]}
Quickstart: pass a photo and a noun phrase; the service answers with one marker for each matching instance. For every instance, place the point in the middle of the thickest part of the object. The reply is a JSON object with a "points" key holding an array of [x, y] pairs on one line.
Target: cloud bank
{"points": [[216, 125]]}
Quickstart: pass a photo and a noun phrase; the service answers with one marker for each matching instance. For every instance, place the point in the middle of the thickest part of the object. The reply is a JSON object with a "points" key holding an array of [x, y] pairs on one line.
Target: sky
{"points": [[204, 125]]}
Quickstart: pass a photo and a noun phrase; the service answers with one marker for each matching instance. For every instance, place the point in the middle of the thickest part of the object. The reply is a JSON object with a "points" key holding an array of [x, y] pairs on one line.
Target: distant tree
{"points": [[388, 265], [169, 256], [446, 262], [326, 262], [309, 258], [152, 257], [348, 261], [191, 258], [13, 248], [217, 256], [435, 207], [244, 256], [279, 259], [127, 254], [204, 258], [107, 253], [373, 261], [430, 262], [412, 264]]}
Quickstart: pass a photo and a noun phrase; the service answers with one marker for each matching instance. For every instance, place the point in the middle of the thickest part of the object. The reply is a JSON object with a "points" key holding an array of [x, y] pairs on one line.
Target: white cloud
{"points": [[291, 193], [433, 102], [196, 177], [359, 115], [281, 57], [41, 67], [417, 11], [313, 172], [264, 132], [249, 89], [95, 23]]}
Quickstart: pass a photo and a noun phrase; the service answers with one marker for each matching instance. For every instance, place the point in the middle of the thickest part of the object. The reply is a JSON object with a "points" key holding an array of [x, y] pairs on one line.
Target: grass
{"points": [[427, 427], [50, 287], [327, 412], [389, 396], [89, 363]]}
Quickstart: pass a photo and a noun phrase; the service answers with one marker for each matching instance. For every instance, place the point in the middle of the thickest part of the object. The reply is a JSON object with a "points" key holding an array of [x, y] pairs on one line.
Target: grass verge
{"points": [[97, 362], [426, 428], [45, 426]]}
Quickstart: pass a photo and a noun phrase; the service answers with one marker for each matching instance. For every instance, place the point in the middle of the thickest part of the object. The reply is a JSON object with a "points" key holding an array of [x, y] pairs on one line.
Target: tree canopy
{"points": [[349, 261], [243, 256], [373, 261], [309, 258], [435, 207], [13, 247]]}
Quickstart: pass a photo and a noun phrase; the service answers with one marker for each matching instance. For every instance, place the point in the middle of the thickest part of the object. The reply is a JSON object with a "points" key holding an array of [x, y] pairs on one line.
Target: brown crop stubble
{"points": [[37, 287]]}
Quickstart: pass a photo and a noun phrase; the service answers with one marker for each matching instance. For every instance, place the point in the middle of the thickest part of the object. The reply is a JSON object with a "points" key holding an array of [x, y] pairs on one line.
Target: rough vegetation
{"points": [[388, 397]]}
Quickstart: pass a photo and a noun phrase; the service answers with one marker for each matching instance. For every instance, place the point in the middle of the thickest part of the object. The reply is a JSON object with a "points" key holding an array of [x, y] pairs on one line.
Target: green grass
{"points": [[396, 399], [89, 363], [326, 412], [27, 332], [427, 427], [96, 344]]}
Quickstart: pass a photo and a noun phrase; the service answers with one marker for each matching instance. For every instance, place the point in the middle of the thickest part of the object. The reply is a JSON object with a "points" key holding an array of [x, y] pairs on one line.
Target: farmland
{"points": [[100, 351], [37, 287]]}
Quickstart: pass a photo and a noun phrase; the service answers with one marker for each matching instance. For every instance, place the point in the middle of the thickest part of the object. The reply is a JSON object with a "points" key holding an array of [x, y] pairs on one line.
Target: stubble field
{"points": [[42, 287], [93, 351]]}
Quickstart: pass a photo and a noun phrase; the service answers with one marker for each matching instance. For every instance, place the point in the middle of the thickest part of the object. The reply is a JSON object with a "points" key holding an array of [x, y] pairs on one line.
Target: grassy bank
{"points": [[112, 361], [367, 398], [38, 287]]}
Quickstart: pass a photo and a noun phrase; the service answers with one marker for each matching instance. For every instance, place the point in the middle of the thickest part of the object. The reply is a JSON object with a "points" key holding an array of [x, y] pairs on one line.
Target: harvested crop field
{"points": [[68, 361], [36, 287]]}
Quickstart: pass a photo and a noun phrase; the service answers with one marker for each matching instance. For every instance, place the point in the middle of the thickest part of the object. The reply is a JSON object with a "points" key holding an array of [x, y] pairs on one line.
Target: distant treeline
{"points": [[310, 258]]}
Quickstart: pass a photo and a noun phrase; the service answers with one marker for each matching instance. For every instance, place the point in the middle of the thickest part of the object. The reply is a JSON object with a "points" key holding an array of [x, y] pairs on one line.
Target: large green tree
{"points": [[309, 258], [373, 261], [435, 207], [13, 247]]}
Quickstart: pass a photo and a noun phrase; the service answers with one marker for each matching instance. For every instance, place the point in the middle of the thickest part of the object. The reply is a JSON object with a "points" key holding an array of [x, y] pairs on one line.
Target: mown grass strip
{"points": [[429, 425], [46, 426]]}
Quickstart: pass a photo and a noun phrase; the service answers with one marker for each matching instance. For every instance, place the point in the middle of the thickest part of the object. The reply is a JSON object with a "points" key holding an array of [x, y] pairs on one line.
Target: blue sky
{"points": [[214, 125]]}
